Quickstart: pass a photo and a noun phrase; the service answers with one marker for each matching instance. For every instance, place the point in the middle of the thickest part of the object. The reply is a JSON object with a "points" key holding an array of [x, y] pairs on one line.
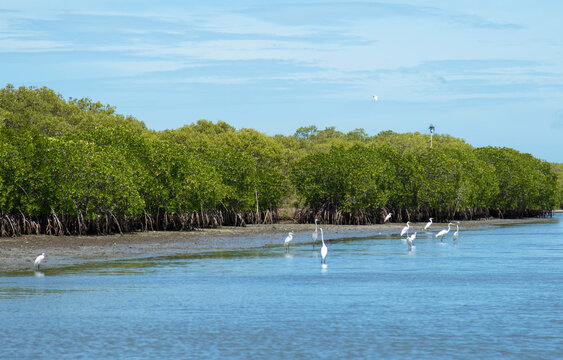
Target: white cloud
{"points": [[246, 25], [385, 52], [131, 68], [12, 45]]}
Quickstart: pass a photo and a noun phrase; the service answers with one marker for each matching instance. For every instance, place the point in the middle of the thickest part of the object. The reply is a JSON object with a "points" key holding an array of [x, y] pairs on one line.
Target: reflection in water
{"points": [[38, 273]]}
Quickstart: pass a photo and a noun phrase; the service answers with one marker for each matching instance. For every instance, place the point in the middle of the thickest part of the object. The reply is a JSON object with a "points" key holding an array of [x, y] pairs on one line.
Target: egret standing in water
{"points": [[288, 239], [324, 249], [38, 260], [456, 233], [428, 224], [443, 232], [387, 218], [410, 239], [315, 234], [406, 229]]}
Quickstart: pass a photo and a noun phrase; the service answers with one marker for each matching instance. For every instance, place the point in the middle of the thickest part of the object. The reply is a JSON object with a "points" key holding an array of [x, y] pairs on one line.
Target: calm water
{"points": [[496, 293]]}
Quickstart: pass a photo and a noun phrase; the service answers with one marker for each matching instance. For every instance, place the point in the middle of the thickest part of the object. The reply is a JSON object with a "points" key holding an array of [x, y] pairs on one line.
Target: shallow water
{"points": [[494, 293]]}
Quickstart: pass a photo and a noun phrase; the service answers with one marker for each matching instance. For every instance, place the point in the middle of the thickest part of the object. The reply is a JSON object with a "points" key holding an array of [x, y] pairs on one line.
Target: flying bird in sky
{"points": [[375, 97]]}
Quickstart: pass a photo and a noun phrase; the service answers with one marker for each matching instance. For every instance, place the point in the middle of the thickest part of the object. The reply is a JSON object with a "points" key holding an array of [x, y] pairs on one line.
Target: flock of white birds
{"points": [[324, 250], [404, 231]]}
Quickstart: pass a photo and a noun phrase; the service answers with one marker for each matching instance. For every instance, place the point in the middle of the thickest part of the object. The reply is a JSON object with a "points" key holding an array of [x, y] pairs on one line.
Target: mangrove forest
{"points": [[77, 167]]}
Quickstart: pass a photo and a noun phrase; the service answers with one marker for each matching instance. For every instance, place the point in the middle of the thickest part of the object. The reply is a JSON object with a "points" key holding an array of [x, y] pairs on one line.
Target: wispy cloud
{"points": [[409, 51], [482, 23], [18, 45], [246, 25], [140, 67]]}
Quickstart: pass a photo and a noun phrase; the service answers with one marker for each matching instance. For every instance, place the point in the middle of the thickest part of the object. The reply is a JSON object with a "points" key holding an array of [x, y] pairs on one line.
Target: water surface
{"points": [[494, 293]]}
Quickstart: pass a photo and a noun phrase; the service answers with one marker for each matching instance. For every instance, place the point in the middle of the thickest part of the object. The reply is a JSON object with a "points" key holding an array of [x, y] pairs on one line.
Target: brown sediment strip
{"points": [[17, 253]]}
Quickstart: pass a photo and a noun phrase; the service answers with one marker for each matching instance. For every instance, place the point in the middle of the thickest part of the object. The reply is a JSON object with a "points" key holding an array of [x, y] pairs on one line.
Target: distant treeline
{"points": [[558, 169], [77, 167]]}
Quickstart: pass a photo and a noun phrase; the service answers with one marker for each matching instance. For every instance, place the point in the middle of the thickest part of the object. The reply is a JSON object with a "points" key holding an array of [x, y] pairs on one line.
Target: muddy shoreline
{"points": [[18, 253]]}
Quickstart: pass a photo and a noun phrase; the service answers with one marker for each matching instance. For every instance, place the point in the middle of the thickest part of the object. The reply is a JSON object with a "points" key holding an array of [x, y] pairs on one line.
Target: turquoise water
{"points": [[496, 293]]}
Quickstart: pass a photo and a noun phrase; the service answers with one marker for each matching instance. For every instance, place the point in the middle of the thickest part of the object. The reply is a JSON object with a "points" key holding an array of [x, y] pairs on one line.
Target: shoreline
{"points": [[17, 254]]}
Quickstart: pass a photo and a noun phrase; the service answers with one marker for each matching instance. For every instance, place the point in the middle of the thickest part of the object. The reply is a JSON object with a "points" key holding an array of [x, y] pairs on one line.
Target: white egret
{"points": [[428, 224], [315, 234], [443, 232], [456, 233], [410, 239], [324, 249], [387, 218], [38, 260], [288, 239], [375, 98], [405, 229]]}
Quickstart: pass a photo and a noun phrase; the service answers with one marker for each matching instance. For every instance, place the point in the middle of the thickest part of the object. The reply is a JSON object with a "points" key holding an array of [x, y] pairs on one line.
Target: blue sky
{"points": [[490, 72]]}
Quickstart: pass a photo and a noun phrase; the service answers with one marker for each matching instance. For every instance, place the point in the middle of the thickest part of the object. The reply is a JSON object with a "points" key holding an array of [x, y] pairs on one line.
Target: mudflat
{"points": [[18, 253]]}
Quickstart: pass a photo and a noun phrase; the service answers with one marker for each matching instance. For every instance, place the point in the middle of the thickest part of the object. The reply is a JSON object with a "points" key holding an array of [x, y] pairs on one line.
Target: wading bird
{"points": [[406, 229], [456, 233], [428, 224], [324, 249], [410, 239], [443, 232], [315, 234], [288, 239], [38, 260], [387, 218]]}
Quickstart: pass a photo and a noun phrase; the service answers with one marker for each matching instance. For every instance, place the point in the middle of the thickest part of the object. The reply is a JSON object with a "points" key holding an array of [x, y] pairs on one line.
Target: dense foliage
{"points": [[558, 170], [77, 167]]}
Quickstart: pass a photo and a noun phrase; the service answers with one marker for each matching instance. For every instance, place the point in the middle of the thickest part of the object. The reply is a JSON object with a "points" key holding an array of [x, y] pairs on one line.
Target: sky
{"points": [[490, 72]]}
